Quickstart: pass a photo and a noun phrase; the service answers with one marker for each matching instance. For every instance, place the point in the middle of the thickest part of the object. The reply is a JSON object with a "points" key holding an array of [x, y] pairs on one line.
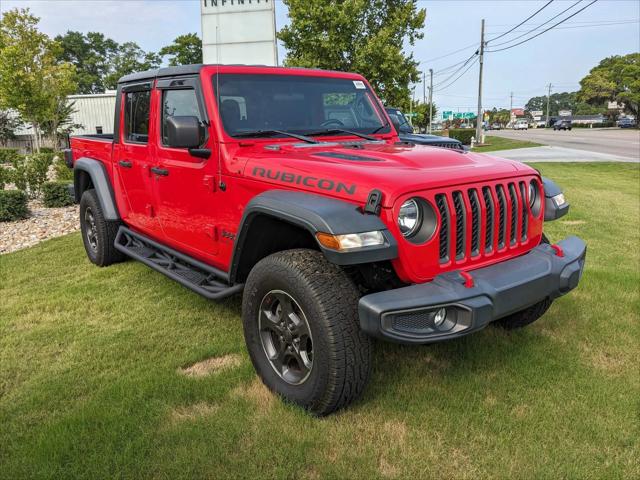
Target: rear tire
{"points": [[528, 315], [331, 364], [98, 234]]}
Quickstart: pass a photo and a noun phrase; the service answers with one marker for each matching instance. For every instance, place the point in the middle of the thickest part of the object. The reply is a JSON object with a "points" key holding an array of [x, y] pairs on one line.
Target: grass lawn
{"points": [[493, 144], [90, 384]]}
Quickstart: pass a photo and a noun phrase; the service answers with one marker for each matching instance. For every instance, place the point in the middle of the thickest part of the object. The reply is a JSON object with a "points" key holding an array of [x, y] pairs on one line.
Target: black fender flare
{"points": [[100, 179], [316, 213], [552, 211]]}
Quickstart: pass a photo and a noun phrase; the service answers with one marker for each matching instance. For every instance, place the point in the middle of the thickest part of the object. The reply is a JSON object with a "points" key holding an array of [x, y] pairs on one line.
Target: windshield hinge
{"points": [[374, 202]]}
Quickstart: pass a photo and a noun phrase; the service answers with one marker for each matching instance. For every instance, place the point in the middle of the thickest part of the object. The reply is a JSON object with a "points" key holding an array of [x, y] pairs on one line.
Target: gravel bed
{"points": [[43, 224]]}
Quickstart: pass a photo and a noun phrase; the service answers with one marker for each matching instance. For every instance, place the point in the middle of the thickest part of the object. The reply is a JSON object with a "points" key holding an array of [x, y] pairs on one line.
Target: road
{"points": [[615, 142]]}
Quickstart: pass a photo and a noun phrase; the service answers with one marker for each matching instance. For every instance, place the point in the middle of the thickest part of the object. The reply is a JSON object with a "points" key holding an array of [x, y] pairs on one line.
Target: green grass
{"points": [[89, 385], [493, 144]]}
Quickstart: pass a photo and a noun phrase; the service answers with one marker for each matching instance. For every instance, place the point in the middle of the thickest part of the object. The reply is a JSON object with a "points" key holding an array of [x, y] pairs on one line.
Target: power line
{"points": [[459, 76], [578, 22], [595, 24], [450, 53], [544, 31], [525, 21], [536, 28], [454, 73]]}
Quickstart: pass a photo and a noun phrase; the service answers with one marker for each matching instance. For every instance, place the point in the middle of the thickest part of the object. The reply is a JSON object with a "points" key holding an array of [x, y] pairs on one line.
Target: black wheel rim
{"points": [[91, 231], [286, 337]]}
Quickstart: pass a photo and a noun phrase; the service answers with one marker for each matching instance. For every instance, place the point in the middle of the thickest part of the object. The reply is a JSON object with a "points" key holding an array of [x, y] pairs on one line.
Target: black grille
{"points": [[502, 224], [412, 322], [489, 212], [505, 219], [525, 214], [475, 222], [458, 204], [514, 214], [441, 202]]}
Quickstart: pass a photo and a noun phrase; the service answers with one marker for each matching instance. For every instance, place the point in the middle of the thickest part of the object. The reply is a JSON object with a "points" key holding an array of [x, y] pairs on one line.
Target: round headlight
{"points": [[409, 218], [533, 193]]}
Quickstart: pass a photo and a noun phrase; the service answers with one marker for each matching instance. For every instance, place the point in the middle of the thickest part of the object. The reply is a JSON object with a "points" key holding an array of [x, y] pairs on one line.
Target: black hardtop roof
{"points": [[191, 70]]}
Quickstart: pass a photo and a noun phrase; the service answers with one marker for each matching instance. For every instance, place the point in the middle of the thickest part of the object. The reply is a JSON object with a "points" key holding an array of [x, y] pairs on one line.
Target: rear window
{"points": [[136, 116]]}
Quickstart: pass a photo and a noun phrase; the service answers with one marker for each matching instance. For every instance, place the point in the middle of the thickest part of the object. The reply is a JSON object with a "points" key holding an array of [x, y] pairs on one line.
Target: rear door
{"points": [[185, 192], [133, 157]]}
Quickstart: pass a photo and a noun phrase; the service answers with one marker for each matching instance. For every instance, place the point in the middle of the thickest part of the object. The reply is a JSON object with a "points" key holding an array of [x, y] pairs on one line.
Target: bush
{"points": [[462, 134], [7, 155], [13, 205], [29, 173], [4, 177], [63, 173], [46, 150], [56, 194]]}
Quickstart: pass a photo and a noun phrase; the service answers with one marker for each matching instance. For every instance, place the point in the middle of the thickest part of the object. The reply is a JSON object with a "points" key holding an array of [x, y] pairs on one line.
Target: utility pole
{"points": [[547, 123], [480, 116], [424, 86], [430, 99], [510, 107]]}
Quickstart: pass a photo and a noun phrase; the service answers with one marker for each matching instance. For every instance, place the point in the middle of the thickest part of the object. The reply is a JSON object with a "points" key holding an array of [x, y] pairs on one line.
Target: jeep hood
{"points": [[351, 172]]}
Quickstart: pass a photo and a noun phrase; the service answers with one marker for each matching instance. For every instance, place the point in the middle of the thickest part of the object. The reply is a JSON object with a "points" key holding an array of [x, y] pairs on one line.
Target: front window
{"points": [[297, 104]]}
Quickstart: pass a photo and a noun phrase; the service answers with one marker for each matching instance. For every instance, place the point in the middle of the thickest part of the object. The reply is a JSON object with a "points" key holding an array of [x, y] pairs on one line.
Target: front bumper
{"points": [[405, 315]]}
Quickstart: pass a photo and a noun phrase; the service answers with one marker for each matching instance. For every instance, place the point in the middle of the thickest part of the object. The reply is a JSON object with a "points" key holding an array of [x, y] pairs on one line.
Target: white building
{"points": [[94, 112], [239, 32]]}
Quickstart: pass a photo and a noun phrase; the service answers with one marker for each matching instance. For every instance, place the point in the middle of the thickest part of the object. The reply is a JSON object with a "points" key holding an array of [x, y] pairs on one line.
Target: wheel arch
{"points": [[91, 173], [279, 220]]}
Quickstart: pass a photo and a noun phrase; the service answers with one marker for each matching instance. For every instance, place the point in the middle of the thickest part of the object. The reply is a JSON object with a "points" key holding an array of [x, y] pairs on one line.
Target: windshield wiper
{"points": [[381, 127], [330, 131], [269, 133]]}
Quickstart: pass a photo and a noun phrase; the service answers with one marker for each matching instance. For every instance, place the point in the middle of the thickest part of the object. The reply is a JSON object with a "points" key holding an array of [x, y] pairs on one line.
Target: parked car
{"points": [[521, 125], [405, 132], [495, 126], [562, 125], [627, 123], [291, 187]]}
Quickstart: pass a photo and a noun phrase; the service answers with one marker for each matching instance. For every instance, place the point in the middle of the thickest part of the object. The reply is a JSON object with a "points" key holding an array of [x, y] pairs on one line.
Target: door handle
{"points": [[125, 163], [159, 171]]}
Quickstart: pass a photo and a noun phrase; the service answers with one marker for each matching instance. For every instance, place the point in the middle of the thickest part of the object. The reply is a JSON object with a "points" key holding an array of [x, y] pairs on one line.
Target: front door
{"points": [[133, 155], [185, 189]]}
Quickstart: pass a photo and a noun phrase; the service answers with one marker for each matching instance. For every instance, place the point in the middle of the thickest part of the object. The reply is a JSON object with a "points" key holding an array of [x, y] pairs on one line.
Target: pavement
{"points": [[578, 145]]}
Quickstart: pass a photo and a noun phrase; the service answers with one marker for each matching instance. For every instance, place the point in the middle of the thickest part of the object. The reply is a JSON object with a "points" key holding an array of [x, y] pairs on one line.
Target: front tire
{"points": [[301, 326], [98, 234]]}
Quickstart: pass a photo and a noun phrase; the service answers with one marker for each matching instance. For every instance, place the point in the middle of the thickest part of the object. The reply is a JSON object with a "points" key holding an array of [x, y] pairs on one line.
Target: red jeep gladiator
{"points": [[291, 186]]}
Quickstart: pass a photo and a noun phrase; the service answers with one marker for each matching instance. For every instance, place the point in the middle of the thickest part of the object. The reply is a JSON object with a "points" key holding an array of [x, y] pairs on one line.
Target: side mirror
{"points": [[183, 132]]}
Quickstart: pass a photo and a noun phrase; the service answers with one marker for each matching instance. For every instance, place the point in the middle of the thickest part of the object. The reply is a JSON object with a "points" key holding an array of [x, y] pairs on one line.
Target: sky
{"points": [[561, 56]]}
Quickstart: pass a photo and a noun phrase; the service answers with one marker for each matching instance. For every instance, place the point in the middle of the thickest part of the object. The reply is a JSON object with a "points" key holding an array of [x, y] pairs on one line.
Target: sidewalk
{"points": [[560, 154]]}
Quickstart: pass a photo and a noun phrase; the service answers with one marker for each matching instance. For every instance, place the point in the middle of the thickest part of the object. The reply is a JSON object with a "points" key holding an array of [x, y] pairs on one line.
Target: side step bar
{"points": [[193, 274]]}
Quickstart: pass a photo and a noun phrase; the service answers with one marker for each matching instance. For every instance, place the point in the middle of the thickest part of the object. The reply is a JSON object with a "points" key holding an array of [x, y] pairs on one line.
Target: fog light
{"points": [[440, 317]]}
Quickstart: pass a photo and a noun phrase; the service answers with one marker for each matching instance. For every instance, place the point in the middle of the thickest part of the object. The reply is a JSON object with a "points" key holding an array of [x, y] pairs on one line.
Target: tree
{"points": [[564, 101], [60, 124], [185, 50], [92, 55], [364, 36], [615, 78], [32, 81], [130, 58], [421, 120], [9, 123]]}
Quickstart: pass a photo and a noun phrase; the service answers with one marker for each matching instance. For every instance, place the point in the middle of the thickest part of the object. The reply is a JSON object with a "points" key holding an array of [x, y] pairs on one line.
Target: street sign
{"points": [[536, 113], [447, 115], [465, 115], [564, 113], [411, 115]]}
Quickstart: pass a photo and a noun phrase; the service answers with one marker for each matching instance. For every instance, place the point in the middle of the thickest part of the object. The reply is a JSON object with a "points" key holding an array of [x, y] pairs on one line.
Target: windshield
{"points": [[296, 104]]}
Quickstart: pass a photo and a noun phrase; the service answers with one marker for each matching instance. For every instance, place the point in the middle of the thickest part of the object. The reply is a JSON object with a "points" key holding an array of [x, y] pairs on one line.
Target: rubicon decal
{"points": [[313, 182]]}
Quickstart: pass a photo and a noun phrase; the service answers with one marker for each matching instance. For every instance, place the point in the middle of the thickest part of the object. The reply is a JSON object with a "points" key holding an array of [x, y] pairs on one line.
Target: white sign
{"points": [[536, 113], [239, 32], [564, 113]]}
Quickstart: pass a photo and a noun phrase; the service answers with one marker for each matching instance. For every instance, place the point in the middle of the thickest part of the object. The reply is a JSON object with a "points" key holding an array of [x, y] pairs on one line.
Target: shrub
{"points": [[13, 205], [29, 173], [46, 150], [56, 194], [462, 134], [8, 154], [4, 177], [63, 173]]}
